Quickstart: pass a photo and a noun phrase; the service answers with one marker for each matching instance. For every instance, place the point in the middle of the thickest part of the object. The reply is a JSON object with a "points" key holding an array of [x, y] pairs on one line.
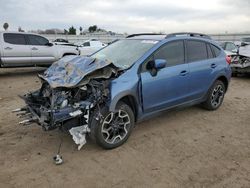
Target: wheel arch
{"points": [[224, 80], [65, 54], [130, 100]]}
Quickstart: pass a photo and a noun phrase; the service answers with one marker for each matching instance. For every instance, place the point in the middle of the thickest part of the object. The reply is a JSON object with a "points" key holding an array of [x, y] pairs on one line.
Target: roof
{"points": [[154, 36], [17, 32], [149, 37]]}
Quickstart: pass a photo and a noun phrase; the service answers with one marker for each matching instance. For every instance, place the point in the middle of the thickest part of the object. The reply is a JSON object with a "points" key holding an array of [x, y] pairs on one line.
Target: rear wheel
{"points": [[215, 96], [114, 128]]}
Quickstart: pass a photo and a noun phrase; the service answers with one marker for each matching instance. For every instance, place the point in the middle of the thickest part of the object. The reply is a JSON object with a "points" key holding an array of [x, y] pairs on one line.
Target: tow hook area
{"points": [[79, 135]]}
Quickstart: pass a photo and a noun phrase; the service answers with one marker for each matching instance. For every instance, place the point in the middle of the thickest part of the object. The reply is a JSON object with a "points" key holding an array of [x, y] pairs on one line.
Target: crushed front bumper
{"points": [[50, 119]]}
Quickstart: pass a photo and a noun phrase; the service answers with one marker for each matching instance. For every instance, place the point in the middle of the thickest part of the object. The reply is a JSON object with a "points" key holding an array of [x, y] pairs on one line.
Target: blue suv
{"points": [[103, 95]]}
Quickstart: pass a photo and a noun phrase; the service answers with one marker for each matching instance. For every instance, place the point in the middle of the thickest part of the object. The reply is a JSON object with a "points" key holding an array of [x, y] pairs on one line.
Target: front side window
{"points": [[37, 40], [172, 52], [13, 38], [196, 51]]}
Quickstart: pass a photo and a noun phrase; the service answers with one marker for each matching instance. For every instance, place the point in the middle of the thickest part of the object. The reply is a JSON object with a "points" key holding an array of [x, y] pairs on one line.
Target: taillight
{"points": [[228, 59]]}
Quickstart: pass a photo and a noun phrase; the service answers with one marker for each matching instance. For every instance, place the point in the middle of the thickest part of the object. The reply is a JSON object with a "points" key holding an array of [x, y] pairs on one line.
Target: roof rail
{"points": [[139, 34], [188, 34]]}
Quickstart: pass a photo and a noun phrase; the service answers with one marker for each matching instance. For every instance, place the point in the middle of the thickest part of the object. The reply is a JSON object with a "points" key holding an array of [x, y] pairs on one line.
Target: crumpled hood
{"points": [[70, 70]]}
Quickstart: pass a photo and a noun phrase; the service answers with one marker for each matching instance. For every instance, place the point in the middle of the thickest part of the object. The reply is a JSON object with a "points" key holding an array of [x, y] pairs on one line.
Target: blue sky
{"points": [[210, 16]]}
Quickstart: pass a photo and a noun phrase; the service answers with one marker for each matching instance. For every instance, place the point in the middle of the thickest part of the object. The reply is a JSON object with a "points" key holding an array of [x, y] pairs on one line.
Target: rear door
{"points": [[16, 52], [40, 51], [202, 65], [170, 86]]}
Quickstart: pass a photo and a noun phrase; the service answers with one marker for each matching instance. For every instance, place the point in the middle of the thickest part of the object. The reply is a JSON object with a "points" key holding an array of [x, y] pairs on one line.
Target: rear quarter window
{"points": [[209, 52], [216, 50], [13, 38]]}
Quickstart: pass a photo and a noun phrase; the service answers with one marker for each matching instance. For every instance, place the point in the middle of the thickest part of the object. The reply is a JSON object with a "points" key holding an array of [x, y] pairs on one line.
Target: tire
{"points": [[107, 132], [215, 96]]}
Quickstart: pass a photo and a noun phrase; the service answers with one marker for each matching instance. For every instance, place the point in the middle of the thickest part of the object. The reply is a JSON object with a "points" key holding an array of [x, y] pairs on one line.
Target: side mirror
{"points": [[49, 44], [160, 63]]}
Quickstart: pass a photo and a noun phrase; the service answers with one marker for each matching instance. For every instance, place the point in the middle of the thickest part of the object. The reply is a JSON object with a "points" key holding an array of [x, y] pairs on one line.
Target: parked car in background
{"points": [[61, 40], [240, 55], [28, 49], [229, 47], [241, 61], [128, 81], [90, 46]]}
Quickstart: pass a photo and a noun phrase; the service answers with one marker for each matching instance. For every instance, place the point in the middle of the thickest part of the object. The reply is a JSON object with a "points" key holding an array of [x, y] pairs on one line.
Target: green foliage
{"points": [[72, 31], [93, 28]]}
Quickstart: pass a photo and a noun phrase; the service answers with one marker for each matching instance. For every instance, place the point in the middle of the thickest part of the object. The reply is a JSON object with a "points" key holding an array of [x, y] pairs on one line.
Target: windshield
{"points": [[124, 53]]}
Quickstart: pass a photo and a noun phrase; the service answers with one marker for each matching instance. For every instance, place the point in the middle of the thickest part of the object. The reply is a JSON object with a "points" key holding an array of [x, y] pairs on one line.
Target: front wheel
{"points": [[114, 128], [215, 96]]}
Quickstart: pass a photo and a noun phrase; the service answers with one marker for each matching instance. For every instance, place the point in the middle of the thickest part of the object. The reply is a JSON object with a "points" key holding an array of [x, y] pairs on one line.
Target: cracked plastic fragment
{"points": [[79, 135]]}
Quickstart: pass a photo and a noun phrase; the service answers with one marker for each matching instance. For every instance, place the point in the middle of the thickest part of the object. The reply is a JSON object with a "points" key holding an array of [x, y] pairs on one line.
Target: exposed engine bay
{"points": [[71, 90]]}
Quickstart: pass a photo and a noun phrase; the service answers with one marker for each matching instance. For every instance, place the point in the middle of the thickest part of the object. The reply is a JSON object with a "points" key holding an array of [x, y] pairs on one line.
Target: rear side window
{"points": [[196, 51], [173, 53], [13, 38], [216, 50], [37, 40]]}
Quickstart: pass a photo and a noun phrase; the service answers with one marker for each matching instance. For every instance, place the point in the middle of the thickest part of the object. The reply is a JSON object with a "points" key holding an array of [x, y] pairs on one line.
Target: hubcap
{"points": [[115, 126], [217, 96]]}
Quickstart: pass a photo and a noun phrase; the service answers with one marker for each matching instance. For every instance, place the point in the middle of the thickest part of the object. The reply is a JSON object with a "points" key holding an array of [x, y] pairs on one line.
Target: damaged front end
{"points": [[71, 90]]}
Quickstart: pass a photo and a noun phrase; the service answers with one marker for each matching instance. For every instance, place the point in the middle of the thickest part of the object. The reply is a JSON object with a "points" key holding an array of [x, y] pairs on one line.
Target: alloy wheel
{"points": [[115, 126], [217, 96]]}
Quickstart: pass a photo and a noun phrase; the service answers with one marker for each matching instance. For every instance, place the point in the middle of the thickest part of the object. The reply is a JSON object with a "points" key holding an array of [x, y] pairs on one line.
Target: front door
{"points": [[169, 87], [41, 52]]}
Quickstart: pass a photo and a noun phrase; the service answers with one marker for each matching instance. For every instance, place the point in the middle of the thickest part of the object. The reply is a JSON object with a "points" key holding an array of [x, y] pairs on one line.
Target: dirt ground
{"points": [[191, 147]]}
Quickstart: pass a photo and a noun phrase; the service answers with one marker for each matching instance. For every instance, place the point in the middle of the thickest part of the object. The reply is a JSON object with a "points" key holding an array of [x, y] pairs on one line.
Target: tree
{"points": [[66, 32], [72, 31], [5, 26], [80, 30], [93, 28]]}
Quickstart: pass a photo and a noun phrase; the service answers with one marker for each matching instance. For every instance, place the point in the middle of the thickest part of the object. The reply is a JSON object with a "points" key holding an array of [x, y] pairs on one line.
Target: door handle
{"points": [[8, 48], [183, 73], [34, 48], [213, 65]]}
